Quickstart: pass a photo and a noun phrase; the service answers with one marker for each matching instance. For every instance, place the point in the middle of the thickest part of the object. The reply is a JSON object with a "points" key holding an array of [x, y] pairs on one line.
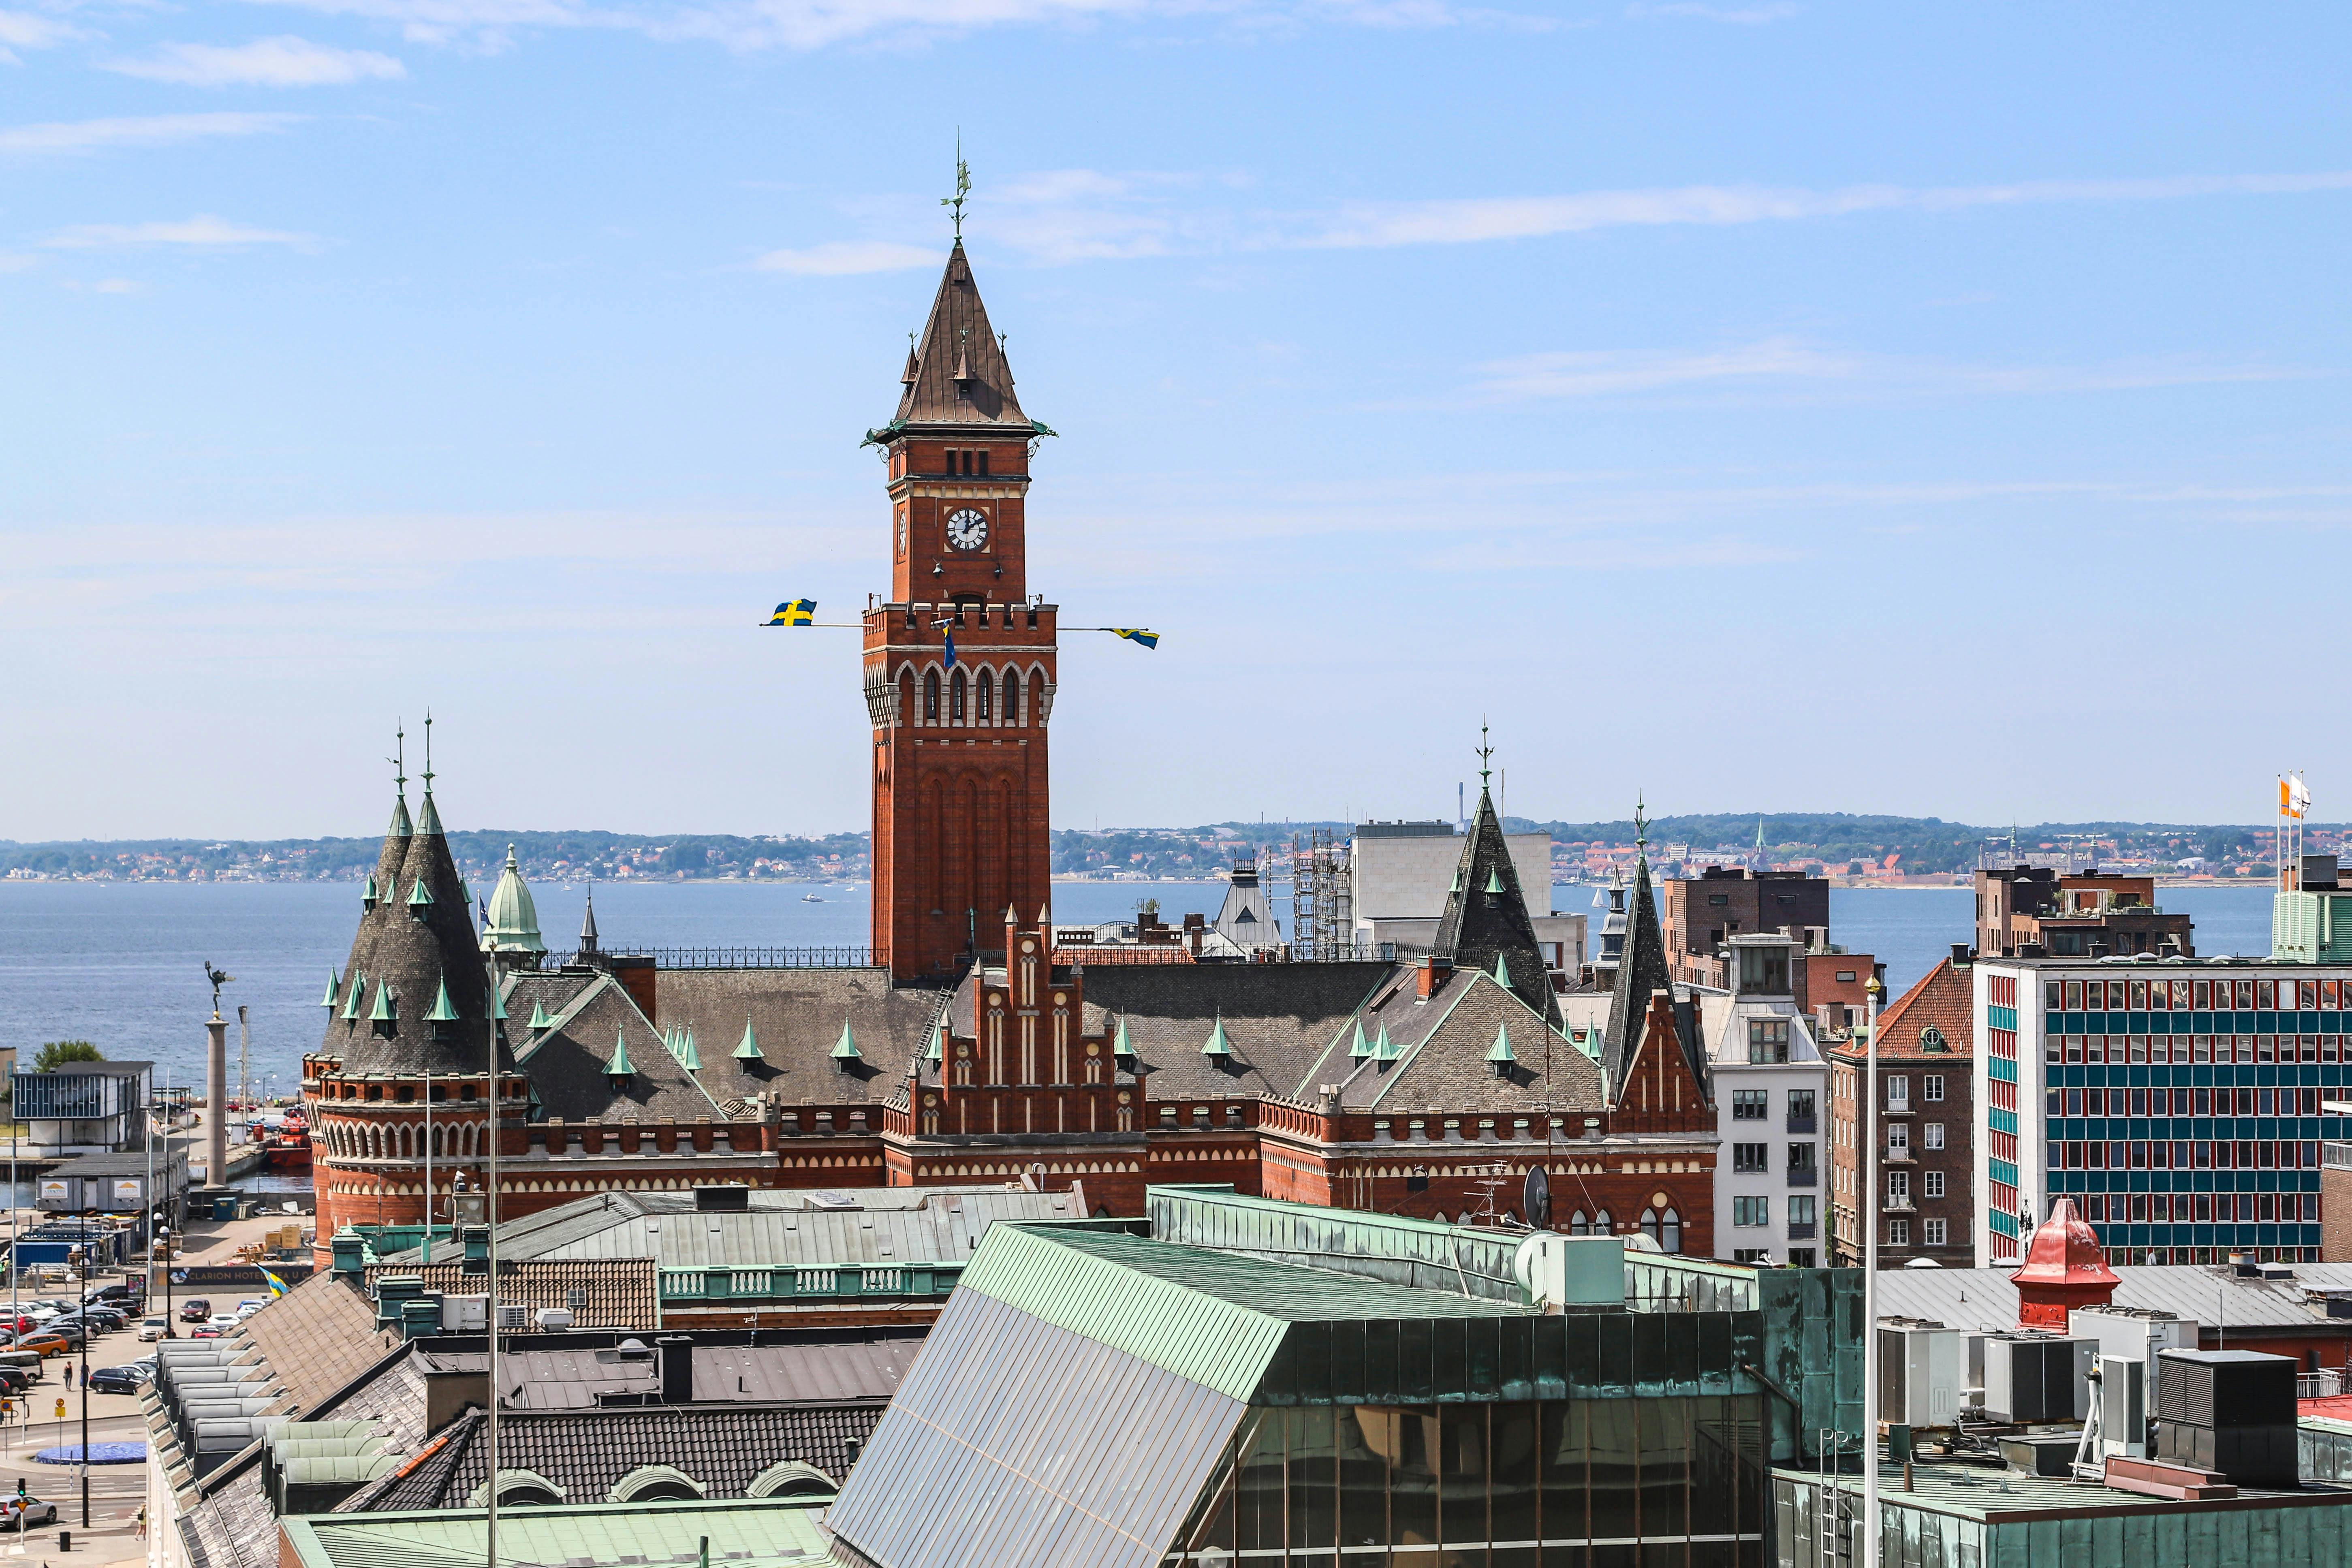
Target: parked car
{"points": [[49, 1345], [127, 1292], [118, 1379], [195, 1309], [108, 1318], [17, 1379], [34, 1511], [207, 1330], [151, 1329]]}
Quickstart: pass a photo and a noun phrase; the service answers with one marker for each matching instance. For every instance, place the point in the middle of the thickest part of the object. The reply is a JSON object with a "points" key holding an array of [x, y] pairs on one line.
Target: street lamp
{"points": [[1868, 1206]]}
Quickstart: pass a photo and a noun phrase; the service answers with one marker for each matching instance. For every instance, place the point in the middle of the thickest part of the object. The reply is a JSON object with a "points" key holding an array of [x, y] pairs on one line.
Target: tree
{"points": [[57, 1053]]}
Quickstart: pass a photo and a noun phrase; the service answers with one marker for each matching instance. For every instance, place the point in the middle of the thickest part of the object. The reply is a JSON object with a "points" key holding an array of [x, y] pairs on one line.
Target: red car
{"points": [[196, 1310]]}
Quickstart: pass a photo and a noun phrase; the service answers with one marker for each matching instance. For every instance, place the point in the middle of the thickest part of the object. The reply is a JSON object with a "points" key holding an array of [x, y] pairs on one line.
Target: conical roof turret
{"points": [[588, 922], [957, 374], [1487, 925], [1642, 969]]}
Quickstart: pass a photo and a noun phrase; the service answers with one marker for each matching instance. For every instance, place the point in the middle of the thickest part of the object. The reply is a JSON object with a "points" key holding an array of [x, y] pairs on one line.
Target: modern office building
{"points": [[1771, 1085], [2181, 1104]]}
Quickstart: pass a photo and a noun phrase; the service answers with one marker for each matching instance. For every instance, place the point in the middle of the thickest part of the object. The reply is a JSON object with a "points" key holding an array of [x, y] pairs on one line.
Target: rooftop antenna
{"points": [[398, 762], [428, 751], [1486, 752], [954, 203]]}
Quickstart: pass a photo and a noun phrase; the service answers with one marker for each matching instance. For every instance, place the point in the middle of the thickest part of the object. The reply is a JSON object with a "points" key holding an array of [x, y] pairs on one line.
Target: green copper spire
{"points": [[370, 896], [1118, 1045], [619, 1068], [688, 1056], [1503, 970], [1385, 1050], [358, 993], [334, 990], [1363, 1047], [400, 828], [428, 820], [442, 1011], [420, 899], [387, 1007], [747, 1049], [498, 1006], [937, 1049], [1500, 1053], [845, 1050], [538, 1018], [1494, 880], [1217, 1044]]}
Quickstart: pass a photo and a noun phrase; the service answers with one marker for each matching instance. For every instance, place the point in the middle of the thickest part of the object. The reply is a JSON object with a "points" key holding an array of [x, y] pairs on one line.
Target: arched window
{"points": [[906, 704], [1650, 1226], [984, 699], [1602, 1224], [931, 697], [956, 698], [1037, 696], [1012, 696], [1670, 1232], [1578, 1224]]}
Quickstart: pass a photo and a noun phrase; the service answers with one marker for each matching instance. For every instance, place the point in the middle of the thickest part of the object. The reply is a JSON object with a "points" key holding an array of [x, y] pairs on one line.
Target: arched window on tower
{"points": [[906, 697], [956, 692], [1579, 1224], [1037, 694], [1012, 696], [984, 698], [931, 697]]}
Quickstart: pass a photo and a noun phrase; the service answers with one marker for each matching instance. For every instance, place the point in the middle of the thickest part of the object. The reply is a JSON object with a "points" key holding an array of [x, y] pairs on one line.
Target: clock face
{"points": [[967, 529]]}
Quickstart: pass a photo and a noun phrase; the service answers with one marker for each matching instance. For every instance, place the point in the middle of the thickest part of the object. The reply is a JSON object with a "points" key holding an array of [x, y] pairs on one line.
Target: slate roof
{"points": [[1442, 1049], [957, 339], [1278, 1017], [317, 1338], [1481, 928], [619, 1292], [1982, 1299], [1642, 970], [722, 1446], [414, 956], [796, 1016], [566, 1063], [831, 1369]]}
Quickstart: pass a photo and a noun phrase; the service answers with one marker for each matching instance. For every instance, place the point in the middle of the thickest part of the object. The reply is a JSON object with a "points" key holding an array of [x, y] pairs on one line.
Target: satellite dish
{"points": [[1537, 1203]]}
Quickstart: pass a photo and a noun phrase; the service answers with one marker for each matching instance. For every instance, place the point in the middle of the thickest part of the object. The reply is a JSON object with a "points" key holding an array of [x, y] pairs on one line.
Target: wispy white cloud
{"points": [[1473, 220], [282, 61], [202, 232], [31, 30], [843, 257], [1745, 16], [140, 130], [1788, 363]]}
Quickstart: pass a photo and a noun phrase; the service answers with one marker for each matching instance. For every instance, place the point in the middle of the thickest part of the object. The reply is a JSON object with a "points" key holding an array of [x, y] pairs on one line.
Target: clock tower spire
{"points": [[959, 664]]}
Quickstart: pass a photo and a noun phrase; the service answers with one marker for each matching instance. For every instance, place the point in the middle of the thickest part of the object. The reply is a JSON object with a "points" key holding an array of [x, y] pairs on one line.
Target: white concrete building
{"points": [[1771, 1101]]}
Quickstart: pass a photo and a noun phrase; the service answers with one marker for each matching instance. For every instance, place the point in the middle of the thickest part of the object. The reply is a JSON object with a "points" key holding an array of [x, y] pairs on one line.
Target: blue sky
{"points": [[1767, 405]]}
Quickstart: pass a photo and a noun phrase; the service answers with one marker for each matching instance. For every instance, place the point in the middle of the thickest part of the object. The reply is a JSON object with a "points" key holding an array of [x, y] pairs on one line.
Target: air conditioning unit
{"points": [[465, 1314], [553, 1318], [2230, 1412], [513, 1317], [1919, 1373], [2036, 1378], [1572, 1270]]}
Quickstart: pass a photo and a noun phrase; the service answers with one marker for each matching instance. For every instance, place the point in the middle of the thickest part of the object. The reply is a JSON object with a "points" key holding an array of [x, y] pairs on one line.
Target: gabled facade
{"points": [[1770, 1092], [1929, 1139]]}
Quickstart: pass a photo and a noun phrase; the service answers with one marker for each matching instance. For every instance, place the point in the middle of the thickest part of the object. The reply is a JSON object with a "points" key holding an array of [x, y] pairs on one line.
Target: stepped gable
{"points": [[1641, 971], [1443, 1052], [796, 1017], [1277, 1019], [412, 947], [956, 374], [1486, 918], [566, 1062], [1662, 1091]]}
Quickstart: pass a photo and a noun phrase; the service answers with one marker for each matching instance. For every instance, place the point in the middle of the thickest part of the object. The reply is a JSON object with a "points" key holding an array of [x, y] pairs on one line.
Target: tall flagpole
{"points": [[491, 1214], [1868, 1208]]}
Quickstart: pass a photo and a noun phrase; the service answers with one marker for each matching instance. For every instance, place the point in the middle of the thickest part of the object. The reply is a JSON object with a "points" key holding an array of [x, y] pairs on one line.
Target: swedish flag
{"points": [[794, 613], [1137, 634], [276, 1286]]}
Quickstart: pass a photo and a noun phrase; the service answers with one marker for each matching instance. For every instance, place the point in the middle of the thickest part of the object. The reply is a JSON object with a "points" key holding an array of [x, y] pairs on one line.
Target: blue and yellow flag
{"points": [[276, 1286], [794, 613], [1137, 634]]}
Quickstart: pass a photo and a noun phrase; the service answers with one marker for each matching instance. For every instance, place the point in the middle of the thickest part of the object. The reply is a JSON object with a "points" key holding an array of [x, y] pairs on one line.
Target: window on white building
{"points": [[1751, 1211]]}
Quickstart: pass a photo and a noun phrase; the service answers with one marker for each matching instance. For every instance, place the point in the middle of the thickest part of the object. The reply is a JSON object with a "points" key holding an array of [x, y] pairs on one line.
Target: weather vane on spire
{"points": [[1486, 752], [428, 751], [398, 761], [1640, 823], [963, 188]]}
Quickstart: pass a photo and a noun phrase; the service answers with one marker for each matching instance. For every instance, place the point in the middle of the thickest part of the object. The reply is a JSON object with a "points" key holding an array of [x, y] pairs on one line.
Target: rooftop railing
{"points": [[704, 1287]]}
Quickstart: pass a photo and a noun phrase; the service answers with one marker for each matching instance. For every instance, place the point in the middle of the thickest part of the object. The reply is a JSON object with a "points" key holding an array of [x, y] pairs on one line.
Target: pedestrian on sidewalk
{"points": [[69, 1366], [143, 1521]]}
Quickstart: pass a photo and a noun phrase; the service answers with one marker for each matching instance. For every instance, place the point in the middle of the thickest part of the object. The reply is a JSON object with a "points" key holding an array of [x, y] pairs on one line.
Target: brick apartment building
{"points": [[1926, 1155], [2073, 915], [1702, 913]]}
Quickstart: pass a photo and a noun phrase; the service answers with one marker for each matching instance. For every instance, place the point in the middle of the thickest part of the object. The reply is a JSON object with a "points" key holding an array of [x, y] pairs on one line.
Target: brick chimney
{"points": [[1431, 975], [2063, 1269]]}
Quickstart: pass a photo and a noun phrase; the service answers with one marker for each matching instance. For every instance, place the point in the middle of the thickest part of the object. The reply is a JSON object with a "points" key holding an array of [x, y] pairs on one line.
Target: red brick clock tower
{"points": [[960, 824]]}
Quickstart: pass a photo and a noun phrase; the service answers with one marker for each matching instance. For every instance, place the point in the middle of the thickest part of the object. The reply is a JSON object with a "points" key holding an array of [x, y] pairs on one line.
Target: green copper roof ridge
{"points": [[747, 1049]]}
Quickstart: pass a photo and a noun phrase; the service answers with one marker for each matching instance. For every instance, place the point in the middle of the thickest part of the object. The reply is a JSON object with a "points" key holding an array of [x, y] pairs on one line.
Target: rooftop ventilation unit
{"points": [[2036, 1378]]}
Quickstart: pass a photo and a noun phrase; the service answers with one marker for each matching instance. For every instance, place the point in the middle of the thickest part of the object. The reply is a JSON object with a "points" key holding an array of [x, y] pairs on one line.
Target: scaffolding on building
{"points": [[1322, 918]]}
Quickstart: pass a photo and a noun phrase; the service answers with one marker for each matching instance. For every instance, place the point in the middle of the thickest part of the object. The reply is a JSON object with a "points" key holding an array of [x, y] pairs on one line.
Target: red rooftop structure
{"points": [[2063, 1269]]}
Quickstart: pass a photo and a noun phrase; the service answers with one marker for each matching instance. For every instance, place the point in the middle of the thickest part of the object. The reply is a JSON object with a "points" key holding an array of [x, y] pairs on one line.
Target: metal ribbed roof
{"points": [[743, 1533], [1984, 1298]]}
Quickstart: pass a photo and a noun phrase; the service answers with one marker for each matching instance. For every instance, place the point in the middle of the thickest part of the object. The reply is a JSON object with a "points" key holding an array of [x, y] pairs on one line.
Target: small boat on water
{"points": [[811, 898]]}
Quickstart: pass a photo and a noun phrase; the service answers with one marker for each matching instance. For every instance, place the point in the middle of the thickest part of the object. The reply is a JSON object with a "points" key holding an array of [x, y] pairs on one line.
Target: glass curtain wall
{"points": [[1675, 1482]]}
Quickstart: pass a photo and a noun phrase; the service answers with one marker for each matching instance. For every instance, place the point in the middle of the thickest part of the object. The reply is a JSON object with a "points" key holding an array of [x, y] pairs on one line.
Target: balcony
{"points": [[1806, 1176], [1898, 1206], [1803, 1123], [1901, 1156]]}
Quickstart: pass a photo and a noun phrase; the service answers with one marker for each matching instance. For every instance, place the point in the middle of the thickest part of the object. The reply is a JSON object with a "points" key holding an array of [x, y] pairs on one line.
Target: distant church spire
{"points": [[588, 922]]}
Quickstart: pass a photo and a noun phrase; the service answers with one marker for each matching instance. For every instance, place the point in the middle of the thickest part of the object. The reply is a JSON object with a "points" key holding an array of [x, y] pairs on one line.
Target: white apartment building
{"points": [[1771, 1099]]}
